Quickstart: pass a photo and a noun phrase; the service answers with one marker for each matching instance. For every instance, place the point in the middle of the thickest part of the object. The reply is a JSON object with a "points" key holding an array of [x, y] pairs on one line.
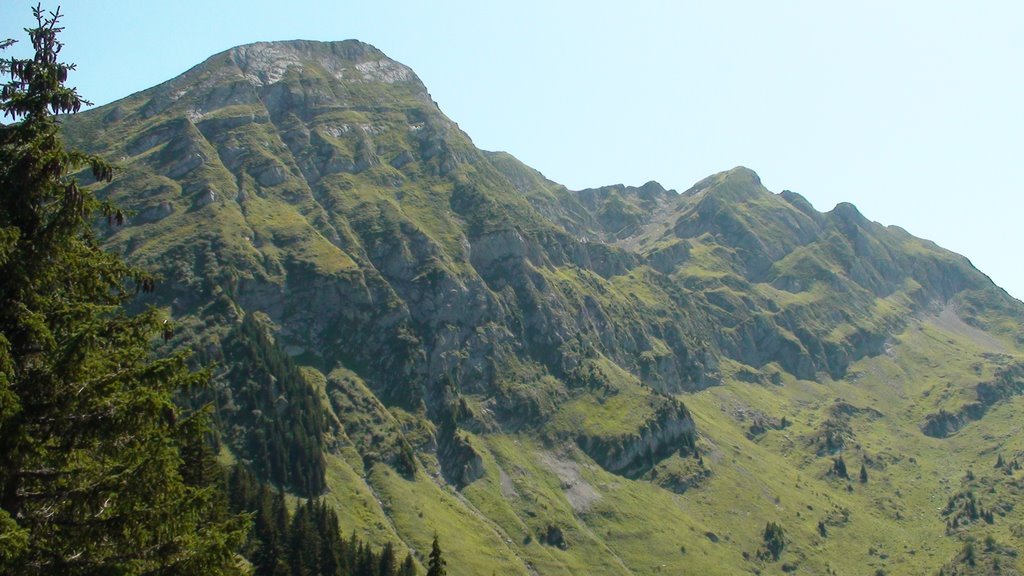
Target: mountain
{"points": [[439, 340]]}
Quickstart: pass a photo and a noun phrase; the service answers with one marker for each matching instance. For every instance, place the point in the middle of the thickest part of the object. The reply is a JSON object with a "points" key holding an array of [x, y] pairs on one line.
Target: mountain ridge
{"points": [[547, 378]]}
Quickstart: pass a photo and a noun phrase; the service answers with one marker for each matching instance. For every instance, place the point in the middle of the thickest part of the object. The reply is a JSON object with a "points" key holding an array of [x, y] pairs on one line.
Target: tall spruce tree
{"points": [[408, 567], [774, 541], [388, 565], [97, 464], [436, 565]]}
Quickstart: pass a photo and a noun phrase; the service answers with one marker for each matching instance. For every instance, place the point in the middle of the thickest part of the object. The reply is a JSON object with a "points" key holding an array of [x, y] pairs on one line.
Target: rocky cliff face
{"points": [[1007, 383], [670, 430]]}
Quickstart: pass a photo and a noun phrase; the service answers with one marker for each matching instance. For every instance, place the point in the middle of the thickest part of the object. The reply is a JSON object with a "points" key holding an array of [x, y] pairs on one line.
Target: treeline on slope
{"points": [[306, 541], [268, 412]]}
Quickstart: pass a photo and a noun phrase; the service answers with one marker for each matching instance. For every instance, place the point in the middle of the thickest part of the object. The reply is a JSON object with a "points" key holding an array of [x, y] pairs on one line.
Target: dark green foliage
{"points": [[863, 474], [834, 433], [408, 567], [305, 542], [374, 432], [839, 468], [963, 508], [987, 558], [774, 541], [277, 421], [100, 472], [436, 565], [1008, 467], [968, 553], [388, 562], [822, 530], [406, 462], [555, 537]]}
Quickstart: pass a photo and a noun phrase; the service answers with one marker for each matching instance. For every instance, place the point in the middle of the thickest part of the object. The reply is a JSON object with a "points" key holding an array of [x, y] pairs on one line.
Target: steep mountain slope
{"points": [[619, 380]]}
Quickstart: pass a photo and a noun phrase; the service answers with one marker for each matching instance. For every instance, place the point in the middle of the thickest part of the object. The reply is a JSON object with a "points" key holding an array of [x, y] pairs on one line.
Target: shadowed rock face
{"points": [[670, 430], [1007, 383], [319, 184]]}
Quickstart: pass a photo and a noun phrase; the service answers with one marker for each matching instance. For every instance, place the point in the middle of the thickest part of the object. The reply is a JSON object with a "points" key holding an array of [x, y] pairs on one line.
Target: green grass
{"points": [[619, 409], [421, 509], [891, 523]]}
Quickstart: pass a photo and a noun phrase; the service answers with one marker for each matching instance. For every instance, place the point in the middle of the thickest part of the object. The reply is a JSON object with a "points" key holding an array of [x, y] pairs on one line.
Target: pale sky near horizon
{"points": [[913, 110]]}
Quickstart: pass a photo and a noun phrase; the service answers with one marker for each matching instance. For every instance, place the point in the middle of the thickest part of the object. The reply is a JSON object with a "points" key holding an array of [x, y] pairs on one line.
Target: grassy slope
{"points": [[614, 525]]}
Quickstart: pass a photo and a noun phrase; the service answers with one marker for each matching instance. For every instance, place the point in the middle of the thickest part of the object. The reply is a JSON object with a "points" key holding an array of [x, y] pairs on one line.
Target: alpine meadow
{"points": [[279, 315]]}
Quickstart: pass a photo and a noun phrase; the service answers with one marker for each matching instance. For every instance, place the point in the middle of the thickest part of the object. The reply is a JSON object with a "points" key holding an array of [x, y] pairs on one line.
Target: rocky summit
{"points": [[436, 339]]}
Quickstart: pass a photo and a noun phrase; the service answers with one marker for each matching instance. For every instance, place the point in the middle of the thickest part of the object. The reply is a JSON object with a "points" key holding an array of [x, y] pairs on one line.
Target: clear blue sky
{"points": [[912, 110]]}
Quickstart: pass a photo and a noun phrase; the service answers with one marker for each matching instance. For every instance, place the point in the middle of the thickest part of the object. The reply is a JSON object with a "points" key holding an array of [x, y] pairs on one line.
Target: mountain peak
{"points": [[738, 177], [297, 75], [265, 63], [848, 212], [742, 173]]}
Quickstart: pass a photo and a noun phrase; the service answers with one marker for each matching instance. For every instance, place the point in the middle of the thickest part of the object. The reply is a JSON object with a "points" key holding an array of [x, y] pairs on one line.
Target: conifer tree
{"points": [[436, 564], [968, 553], [839, 467], [863, 474], [774, 541], [408, 567], [100, 471], [388, 565]]}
